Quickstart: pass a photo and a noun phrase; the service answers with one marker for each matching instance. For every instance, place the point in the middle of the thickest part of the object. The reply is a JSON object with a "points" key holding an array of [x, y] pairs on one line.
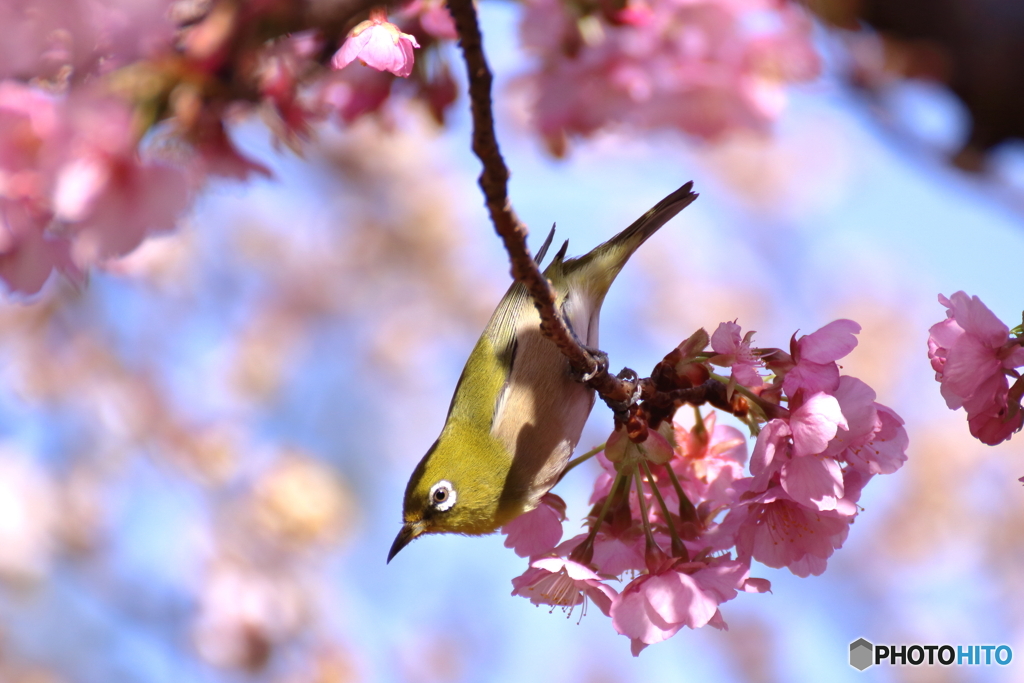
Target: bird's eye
{"points": [[442, 496]]}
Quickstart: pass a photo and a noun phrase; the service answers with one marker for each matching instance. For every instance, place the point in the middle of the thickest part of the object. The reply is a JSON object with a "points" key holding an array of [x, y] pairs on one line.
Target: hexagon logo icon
{"points": [[861, 654]]}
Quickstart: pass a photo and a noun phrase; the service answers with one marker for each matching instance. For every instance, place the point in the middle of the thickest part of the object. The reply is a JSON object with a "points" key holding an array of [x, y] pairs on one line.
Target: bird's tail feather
{"points": [[607, 259]]}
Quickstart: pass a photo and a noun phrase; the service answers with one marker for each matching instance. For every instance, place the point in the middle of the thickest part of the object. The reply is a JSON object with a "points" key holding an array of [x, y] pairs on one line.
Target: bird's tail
{"points": [[600, 267]]}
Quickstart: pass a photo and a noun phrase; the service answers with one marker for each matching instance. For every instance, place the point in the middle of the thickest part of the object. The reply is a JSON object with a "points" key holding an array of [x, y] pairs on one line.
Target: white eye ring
{"points": [[442, 496]]}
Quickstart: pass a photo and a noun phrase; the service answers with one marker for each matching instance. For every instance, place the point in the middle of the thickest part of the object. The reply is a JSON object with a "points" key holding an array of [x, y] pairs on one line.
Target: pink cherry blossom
{"points": [[969, 347], [688, 522], [654, 606], [734, 351], [538, 531], [43, 36], [875, 441], [563, 583], [711, 461], [379, 44], [111, 199], [970, 352], [780, 532], [794, 449], [814, 357]]}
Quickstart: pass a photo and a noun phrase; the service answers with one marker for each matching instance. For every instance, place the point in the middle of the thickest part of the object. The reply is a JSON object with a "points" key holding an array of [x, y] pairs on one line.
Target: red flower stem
{"points": [[687, 512], [651, 543], [678, 549], [584, 552]]}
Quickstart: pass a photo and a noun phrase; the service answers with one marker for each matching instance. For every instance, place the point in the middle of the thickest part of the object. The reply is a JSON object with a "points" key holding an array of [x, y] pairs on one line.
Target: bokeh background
{"points": [[204, 448]]}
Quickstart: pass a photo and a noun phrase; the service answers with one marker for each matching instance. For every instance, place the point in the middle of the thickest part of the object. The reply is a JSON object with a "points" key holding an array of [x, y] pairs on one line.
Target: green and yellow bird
{"points": [[518, 412]]}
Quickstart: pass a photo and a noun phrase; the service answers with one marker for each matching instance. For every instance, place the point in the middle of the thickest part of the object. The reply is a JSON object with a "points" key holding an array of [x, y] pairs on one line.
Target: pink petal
{"points": [[811, 377], [678, 599], [815, 423], [726, 339], [602, 595], [78, 184], [747, 375], [887, 450], [830, 343], [977, 320], [722, 580], [994, 428], [350, 50], [813, 481], [857, 402], [535, 532], [774, 437], [613, 555], [968, 365], [575, 570], [757, 586], [632, 617]]}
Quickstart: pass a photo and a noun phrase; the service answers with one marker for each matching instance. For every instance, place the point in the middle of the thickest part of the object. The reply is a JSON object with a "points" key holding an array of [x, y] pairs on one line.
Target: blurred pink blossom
{"points": [[28, 517], [72, 184], [434, 18], [95, 36], [700, 66]]}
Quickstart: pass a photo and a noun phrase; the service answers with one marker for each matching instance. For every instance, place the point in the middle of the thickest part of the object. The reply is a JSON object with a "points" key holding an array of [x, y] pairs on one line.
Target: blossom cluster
{"points": [[113, 114], [974, 355], [679, 521], [704, 67], [84, 84]]}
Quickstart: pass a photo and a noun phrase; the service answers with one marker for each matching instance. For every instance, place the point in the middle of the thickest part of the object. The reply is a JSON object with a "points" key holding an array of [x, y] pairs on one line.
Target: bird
{"points": [[518, 409]]}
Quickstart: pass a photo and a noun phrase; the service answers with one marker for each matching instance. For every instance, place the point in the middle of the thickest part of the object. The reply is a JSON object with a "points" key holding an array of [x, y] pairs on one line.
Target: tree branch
{"points": [[494, 183]]}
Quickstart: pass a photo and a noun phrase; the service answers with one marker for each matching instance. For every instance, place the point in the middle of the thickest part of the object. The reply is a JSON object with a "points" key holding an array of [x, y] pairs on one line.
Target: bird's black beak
{"points": [[410, 530]]}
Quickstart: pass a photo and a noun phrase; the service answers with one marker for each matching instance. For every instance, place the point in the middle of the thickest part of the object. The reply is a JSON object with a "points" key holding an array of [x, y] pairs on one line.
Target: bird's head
{"points": [[456, 489]]}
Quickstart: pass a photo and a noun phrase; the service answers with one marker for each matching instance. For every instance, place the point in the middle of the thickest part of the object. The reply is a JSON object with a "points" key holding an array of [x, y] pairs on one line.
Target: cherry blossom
{"points": [[814, 355], [673, 514], [971, 351], [734, 351], [563, 583], [379, 44], [778, 531], [538, 531]]}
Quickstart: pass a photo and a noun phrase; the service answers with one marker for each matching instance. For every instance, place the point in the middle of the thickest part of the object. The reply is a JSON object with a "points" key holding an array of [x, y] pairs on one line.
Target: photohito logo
{"points": [[863, 654]]}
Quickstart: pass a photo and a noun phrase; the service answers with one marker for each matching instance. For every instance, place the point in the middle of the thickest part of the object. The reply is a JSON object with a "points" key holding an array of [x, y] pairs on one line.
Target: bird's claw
{"points": [[628, 375], [602, 366]]}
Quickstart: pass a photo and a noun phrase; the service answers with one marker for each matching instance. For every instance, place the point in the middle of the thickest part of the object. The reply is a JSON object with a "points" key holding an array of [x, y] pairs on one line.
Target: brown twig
{"points": [[494, 183]]}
